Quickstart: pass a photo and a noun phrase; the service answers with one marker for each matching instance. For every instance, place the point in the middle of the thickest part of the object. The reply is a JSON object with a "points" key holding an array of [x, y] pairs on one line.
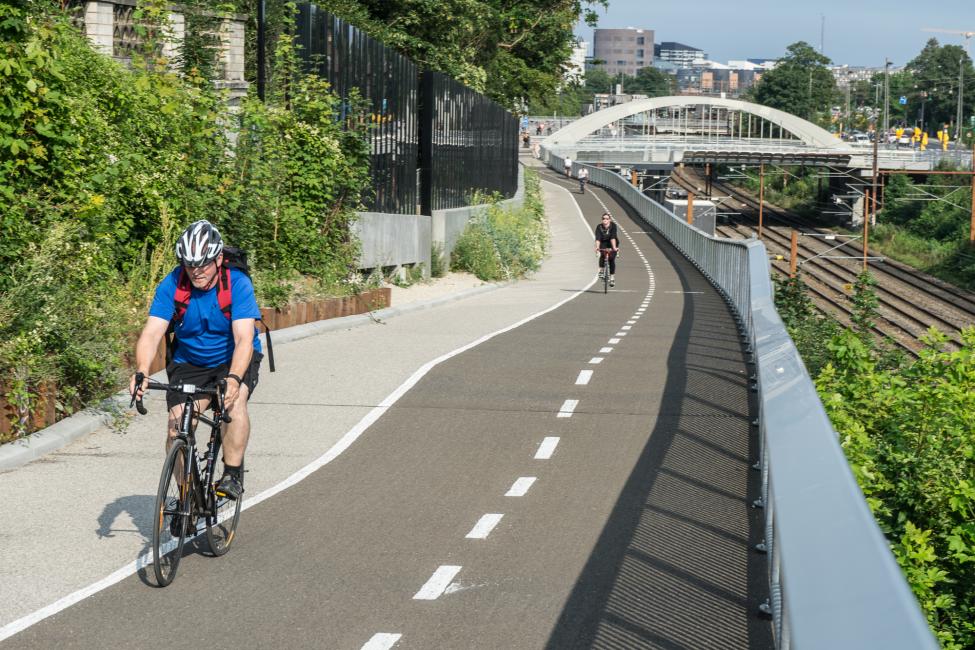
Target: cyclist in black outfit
{"points": [[607, 237]]}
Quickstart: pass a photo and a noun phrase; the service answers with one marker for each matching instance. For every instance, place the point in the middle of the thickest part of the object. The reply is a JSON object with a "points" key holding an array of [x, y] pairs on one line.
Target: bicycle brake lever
{"points": [[136, 400]]}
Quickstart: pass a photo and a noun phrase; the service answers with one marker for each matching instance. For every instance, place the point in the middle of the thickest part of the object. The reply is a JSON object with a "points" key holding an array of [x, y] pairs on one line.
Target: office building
{"points": [[678, 53], [623, 50]]}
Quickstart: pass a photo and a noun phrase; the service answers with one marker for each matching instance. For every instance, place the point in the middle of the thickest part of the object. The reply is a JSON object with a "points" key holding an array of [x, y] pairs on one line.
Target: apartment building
{"points": [[623, 50]]}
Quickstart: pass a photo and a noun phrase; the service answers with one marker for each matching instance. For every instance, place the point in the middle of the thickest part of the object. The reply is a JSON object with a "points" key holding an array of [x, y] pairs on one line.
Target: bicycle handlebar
{"points": [[188, 389]]}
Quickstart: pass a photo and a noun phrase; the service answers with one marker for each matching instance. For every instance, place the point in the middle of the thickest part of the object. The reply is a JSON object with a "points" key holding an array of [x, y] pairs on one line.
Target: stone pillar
{"points": [[100, 25], [174, 40], [232, 49]]}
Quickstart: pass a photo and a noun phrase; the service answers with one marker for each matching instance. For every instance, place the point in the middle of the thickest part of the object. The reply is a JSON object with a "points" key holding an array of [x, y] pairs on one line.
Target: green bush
{"points": [[500, 244], [101, 166], [909, 434]]}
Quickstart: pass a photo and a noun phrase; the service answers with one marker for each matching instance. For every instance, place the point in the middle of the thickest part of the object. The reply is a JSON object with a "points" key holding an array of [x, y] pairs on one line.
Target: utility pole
{"points": [[961, 93], [761, 197], [822, 31], [971, 231], [886, 96]]}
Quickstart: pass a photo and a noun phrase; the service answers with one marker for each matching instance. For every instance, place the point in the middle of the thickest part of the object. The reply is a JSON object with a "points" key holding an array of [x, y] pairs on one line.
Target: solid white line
{"points": [[547, 448], [435, 586], [614, 341], [520, 487], [584, 377], [596, 360], [484, 526], [331, 454], [568, 406], [605, 350], [683, 292], [381, 641]]}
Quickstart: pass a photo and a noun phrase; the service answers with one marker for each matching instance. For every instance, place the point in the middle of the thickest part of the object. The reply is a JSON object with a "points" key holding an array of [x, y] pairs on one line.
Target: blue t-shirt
{"points": [[204, 336]]}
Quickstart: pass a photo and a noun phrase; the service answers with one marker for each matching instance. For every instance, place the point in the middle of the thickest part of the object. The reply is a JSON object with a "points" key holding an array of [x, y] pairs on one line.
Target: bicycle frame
{"points": [[203, 499]]}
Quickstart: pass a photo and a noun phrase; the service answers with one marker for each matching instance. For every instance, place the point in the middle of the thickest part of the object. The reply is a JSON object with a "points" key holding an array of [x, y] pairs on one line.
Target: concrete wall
{"points": [[393, 240]]}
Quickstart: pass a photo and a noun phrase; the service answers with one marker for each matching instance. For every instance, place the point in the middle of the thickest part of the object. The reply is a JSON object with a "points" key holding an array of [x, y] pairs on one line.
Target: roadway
{"points": [[579, 480]]}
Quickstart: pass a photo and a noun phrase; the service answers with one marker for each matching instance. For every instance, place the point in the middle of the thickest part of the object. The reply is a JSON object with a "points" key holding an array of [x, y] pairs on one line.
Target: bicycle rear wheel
{"points": [[169, 527], [223, 520]]}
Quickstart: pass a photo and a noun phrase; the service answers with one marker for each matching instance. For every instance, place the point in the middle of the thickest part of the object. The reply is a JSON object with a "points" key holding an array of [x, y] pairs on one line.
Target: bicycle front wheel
{"points": [[222, 520], [606, 277], [172, 502]]}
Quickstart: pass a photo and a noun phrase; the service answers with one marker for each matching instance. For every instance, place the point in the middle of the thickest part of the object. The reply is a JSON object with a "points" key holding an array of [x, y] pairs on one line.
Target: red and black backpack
{"points": [[233, 258]]}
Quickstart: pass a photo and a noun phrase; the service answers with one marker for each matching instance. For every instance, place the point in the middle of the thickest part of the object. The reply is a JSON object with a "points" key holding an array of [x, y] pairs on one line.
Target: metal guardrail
{"points": [[833, 582]]}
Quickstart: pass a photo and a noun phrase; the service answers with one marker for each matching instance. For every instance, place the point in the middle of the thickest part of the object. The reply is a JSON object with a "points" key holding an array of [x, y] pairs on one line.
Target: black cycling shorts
{"points": [[187, 373]]}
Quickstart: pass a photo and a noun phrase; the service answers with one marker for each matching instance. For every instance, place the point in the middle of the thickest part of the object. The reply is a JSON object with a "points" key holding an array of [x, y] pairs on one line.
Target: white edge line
{"points": [[435, 586], [331, 454], [484, 526], [382, 641], [547, 448]]}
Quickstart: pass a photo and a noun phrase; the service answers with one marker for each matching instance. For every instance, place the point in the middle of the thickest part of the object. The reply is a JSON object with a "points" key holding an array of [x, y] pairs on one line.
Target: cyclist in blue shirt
{"points": [[208, 345]]}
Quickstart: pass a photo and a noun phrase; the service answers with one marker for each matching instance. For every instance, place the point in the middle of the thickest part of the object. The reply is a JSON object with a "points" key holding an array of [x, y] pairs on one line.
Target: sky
{"points": [[857, 33]]}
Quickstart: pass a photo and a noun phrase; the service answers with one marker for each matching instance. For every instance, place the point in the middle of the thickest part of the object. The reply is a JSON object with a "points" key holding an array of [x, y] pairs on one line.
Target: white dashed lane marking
{"points": [[520, 487], [605, 350], [547, 448], [596, 360], [614, 341], [382, 641], [584, 377], [484, 526], [568, 406], [439, 581]]}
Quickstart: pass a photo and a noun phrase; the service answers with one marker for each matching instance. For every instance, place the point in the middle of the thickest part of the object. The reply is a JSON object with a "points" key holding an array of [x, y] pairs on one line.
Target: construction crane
{"points": [[966, 35], [961, 71]]}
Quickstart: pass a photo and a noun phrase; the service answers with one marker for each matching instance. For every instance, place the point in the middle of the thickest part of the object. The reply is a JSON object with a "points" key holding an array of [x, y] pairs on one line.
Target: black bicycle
{"points": [[604, 271], [187, 491], [582, 185]]}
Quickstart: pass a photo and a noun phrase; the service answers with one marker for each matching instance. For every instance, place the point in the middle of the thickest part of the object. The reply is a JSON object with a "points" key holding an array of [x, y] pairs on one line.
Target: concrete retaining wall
{"points": [[393, 240]]}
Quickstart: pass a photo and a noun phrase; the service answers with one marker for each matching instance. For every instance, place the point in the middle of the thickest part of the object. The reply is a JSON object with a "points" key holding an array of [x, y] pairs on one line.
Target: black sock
{"points": [[233, 470]]}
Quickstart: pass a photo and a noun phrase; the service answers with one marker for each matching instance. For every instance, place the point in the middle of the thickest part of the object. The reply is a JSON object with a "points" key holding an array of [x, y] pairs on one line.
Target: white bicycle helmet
{"points": [[199, 244]]}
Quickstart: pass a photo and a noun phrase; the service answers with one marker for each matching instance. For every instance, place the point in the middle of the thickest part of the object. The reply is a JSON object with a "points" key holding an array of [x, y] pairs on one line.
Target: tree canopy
{"points": [[514, 52], [801, 84]]}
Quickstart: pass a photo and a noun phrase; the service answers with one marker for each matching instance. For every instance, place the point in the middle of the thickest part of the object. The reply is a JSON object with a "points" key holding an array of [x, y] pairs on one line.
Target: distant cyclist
{"points": [[607, 238], [567, 164], [583, 177]]}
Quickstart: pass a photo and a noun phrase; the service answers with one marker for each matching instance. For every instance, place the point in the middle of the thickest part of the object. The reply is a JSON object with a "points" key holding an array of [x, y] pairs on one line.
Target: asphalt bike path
{"points": [[78, 518], [579, 481]]}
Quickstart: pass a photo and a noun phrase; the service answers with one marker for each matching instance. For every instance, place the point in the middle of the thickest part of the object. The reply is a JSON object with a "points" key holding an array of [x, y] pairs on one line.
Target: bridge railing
{"points": [[833, 582]]}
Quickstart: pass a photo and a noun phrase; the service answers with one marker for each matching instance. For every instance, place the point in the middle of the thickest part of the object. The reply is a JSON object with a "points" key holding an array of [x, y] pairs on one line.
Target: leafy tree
{"points": [[935, 72], [800, 84], [650, 82], [515, 52], [598, 81]]}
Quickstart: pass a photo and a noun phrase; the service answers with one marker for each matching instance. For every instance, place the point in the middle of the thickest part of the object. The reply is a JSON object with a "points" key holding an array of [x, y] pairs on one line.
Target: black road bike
{"points": [[604, 271], [187, 491]]}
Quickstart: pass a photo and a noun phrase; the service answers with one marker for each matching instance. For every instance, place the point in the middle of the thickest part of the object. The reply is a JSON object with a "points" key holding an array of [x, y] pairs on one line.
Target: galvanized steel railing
{"points": [[833, 582]]}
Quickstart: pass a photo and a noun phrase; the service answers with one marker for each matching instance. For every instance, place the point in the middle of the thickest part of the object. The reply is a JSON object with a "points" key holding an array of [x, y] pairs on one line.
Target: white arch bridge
{"points": [[664, 131]]}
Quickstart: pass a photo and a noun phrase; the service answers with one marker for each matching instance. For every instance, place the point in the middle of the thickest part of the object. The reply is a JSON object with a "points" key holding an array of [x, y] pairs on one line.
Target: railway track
{"points": [[909, 302]]}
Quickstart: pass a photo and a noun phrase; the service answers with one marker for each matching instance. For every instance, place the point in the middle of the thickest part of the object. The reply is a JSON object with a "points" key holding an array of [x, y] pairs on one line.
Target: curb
{"points": [[22, 451]]}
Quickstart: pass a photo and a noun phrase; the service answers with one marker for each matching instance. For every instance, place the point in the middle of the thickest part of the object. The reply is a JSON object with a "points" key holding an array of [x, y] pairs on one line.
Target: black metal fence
{"points": [[458, 140], [468, 143]]}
